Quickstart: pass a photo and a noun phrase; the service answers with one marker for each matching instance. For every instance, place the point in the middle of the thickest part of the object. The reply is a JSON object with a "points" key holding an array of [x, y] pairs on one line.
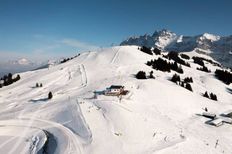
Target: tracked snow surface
{"points": [[156, 116]]}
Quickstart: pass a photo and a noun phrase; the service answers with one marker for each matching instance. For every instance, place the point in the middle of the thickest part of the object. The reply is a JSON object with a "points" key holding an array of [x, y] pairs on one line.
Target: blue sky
{"points": [[42, 29]]}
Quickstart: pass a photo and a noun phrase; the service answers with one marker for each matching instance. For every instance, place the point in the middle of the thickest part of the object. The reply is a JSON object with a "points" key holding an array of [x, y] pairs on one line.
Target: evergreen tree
{"points": [[182, 84], [198, 61], [206, 95], [9, 76], [191, 79], [224, 76], [151, 75], [185, 56], [17, 78], [157, 51], [41, 85], [37, 85], [146, 50], [175, 78], [188, 80], [213, 96], [180, 70], [50, 95], [188, 86], [141, 75]]}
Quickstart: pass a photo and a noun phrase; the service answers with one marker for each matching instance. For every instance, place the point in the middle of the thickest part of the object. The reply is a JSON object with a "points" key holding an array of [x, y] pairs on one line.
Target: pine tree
{"points": [[182, 84], [191, 79], [41, 85], [180, 70], [175, 78], [151, 75], [37, 85], [17, 78], [206, 95], [9, 76], [141, 75], [188, 86], [213, 96], [50, 95]]}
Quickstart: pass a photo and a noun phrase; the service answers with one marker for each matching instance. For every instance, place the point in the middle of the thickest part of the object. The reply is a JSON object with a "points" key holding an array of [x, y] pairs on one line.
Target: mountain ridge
{"points": [[218, 47]]}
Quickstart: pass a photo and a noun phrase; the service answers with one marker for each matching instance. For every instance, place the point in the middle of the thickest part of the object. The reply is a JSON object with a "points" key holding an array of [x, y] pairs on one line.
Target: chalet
{"points": [[114, 90], [227, 114], [226, 120], [209, 115], [216, 122]]}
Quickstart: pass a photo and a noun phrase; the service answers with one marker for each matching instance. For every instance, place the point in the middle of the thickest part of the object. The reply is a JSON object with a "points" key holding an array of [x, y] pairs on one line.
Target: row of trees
{"points": [[38, 85], [184, 56], [175, 56], [142, 75], [185, 83], [67, 59], [224, 76], [150, 51], [198, 61], [165, 66], [146, 50], [204, 69], [210, 96], [8, 80], [201, 59]]}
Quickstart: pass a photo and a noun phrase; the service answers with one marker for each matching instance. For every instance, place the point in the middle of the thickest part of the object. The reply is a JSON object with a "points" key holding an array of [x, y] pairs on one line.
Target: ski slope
{"points": [[157, 116]]}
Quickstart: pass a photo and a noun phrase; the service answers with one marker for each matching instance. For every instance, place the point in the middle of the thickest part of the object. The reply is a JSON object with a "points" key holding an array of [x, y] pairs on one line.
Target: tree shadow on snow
{"points": [[229, 90], [39, 100]]}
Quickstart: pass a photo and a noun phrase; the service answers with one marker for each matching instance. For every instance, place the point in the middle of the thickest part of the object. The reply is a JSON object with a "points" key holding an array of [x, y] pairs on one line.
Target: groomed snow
{"points": [[157, 116]]}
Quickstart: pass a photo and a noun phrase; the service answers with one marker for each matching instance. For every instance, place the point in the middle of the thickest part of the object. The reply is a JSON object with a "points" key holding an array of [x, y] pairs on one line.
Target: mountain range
{"points": [[218, 47], [22, 65]]}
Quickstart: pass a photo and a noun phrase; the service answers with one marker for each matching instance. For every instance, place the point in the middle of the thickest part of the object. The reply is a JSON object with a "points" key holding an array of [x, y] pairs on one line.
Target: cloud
{"points": [[79, 44], [39, 56], [45, 48]]}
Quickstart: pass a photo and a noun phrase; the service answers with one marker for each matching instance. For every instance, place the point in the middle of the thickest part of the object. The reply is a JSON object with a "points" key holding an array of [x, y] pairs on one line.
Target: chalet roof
{"points": [[227, 113], [116, 86], [217, 122], [208, 114], [226, 120]]}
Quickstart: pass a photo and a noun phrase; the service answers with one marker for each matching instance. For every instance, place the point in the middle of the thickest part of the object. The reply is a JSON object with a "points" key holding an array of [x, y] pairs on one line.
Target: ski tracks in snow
{"points": [[115, 56], [83, 75], [73, 143]]}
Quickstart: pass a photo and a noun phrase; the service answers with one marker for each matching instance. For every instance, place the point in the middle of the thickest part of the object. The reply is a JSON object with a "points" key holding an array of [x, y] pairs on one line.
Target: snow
{"points": [[210, 37], [180, 39], [157, 116]]}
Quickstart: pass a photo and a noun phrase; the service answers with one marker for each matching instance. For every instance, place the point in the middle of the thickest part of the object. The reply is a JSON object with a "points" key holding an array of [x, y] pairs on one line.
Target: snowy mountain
{"points": [[23, 64], [22, 61], [156, 116], [219, 47], [15, 66]]}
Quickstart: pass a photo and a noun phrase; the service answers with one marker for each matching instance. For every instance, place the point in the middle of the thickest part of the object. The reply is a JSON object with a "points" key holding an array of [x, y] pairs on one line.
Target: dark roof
{"points": [[116, 87]]}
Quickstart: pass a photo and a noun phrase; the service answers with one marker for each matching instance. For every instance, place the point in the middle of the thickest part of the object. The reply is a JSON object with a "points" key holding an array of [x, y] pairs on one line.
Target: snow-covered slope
{"points": [[157, 116], [219, 47]]}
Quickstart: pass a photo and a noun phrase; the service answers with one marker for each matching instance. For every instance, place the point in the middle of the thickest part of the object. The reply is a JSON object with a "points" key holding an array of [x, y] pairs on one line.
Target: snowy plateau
{"points": [[156, 116]]}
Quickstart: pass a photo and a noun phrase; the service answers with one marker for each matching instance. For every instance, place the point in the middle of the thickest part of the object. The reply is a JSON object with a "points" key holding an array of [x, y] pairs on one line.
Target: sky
{"points": [[45, 29]]}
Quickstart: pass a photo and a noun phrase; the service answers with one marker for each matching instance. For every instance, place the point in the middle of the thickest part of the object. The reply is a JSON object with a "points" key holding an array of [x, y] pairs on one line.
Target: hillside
{"points": [[218, 47], [156, 116]]}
